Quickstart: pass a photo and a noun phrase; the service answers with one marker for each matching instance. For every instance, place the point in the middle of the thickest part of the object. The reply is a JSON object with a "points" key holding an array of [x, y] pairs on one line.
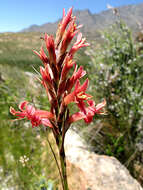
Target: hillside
{"points": [[131, 14]]}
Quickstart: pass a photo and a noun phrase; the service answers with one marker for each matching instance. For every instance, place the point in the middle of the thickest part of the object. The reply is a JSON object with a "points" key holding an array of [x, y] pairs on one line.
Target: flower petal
{"points": [[69, 98], [83, 87], [76, 117], [12, 111], [17, 113], [46, 122], [23, 105], [99, 106], [30, 110], [44, 114]]}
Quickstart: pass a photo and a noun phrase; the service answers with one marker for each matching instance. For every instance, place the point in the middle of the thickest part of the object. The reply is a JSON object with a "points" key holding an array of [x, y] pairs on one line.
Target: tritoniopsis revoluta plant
{"points": [[61, 88]]}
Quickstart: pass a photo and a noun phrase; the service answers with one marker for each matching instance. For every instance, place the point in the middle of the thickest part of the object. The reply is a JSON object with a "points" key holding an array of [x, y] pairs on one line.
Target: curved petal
{"points": [[23, 105], [83, 87], [17, 113], [46, 122], [35, 120], [12, 111], [99, 106], [76, 117], [69, 98], [44, 114], [30, 110]]}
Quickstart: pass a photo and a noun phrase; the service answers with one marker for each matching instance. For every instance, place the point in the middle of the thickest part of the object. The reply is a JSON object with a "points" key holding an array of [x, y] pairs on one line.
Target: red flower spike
{"points": [[57, 83], [37, 117], [78, 44], [51, 48]]}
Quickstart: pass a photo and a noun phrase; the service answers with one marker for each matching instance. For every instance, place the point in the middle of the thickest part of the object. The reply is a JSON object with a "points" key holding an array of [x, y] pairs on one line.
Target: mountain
{"points": [[131, 14]]}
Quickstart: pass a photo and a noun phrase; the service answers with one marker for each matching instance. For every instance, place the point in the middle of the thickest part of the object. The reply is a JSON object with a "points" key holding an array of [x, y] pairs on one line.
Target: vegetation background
{"points": [[114, 67]]}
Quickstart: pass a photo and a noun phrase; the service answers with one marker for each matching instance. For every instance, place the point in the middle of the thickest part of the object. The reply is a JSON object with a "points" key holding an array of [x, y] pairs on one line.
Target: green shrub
{"points": [[118, 76]]}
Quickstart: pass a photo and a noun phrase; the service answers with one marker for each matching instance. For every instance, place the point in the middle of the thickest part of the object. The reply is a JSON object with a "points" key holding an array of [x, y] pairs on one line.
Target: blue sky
{"points": [[18, 14]]}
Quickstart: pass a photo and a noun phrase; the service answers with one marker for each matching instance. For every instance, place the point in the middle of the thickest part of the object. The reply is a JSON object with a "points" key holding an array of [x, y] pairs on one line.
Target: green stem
{"points": [[63, 164], [61, 177]]}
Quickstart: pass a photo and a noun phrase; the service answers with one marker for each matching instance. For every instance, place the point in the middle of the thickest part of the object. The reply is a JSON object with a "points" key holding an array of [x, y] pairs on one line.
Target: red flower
{"points": [[78, 94], [76, 117], [42, 55], [66, 19], [45, 74], [51, 48], [36, 117], [63, 24], [98, 108], [57, 65], [77, 74], [80, 42], [91, 110], [87, 113], [67, 65], [68, 35]]}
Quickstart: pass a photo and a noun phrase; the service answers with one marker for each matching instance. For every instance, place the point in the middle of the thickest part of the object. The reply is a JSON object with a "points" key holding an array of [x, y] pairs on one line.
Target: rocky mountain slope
{"points": [[131, 14]]}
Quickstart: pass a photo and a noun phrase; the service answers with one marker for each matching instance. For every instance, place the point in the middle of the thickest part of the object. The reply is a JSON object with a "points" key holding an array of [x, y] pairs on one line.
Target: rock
{"points": [[98, 172]]}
